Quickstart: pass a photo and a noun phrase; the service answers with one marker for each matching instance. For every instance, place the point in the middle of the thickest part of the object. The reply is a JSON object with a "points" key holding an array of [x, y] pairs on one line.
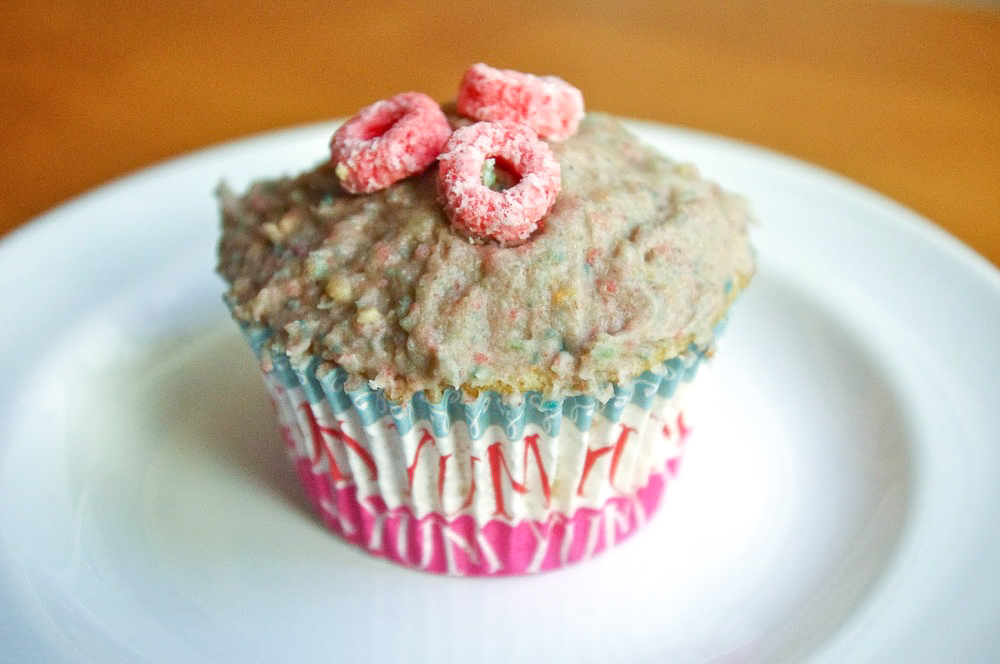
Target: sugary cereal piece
{"points": [[388, 141], [506, 215], [549, 105]]}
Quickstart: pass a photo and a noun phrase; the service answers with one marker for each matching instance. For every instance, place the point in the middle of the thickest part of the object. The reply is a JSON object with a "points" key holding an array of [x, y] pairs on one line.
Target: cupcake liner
{"points": [[480, 487]]}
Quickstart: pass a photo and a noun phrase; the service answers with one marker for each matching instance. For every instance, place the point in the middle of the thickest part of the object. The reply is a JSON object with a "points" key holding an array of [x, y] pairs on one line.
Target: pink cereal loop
{"points": [[549, 105], [388, 141], [508, 216]]}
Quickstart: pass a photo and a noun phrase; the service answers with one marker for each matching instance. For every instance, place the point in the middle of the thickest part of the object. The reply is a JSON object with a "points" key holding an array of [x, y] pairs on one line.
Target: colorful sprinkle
{"points": [[338, 288]]}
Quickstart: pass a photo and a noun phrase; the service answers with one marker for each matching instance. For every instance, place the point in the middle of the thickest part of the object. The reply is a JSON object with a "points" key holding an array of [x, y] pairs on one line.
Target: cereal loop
{"points": [[388, 141], [549, 105], [510, 215]]}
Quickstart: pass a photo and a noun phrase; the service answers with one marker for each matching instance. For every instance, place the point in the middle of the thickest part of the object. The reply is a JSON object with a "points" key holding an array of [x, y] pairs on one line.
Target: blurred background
{"points": [[903, 97]]}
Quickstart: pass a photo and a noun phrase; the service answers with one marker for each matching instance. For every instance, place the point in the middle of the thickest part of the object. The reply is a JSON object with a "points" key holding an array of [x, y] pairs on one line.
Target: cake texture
{"points": [[464, 407]]}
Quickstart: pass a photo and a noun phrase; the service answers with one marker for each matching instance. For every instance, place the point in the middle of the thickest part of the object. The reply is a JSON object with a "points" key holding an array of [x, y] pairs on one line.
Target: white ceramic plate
{"points": [[838, 503]]}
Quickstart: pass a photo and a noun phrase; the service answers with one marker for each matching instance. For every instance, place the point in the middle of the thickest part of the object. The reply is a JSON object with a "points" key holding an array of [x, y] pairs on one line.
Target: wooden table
{"points": [[904, 98]]}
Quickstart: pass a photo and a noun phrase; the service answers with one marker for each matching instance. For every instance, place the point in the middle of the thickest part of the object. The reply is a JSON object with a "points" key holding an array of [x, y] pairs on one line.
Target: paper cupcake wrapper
{"points": [[481, 486]]}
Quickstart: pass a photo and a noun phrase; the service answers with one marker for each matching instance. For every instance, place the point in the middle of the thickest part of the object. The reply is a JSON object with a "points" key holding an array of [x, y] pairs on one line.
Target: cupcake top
{"points": [[637, 259]]}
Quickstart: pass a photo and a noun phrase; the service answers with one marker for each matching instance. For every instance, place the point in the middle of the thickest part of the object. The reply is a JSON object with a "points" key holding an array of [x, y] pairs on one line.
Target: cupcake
{"points": [[467, 385]]}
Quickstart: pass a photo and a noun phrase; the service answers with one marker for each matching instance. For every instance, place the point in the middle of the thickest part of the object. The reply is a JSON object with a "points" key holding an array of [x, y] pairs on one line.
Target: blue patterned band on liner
{"points": [[486, 410]]}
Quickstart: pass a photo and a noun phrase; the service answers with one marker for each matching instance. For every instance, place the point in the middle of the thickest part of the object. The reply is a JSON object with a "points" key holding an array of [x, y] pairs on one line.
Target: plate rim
{"points": [[901, 218]]}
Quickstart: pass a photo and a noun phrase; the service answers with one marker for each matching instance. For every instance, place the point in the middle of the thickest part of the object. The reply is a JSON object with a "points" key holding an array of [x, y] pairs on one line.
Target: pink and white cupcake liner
{"points": [[485, 486]]}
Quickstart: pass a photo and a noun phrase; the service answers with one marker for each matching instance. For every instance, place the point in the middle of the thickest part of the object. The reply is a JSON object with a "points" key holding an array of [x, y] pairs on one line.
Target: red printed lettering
{"points": [[682, 428], [498, 462], [593, 455], [320, 445], [442, 469], [425, 437]]}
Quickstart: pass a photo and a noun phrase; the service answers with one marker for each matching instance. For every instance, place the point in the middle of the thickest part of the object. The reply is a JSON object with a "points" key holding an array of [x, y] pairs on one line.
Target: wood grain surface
{"points": [[902, 97]]}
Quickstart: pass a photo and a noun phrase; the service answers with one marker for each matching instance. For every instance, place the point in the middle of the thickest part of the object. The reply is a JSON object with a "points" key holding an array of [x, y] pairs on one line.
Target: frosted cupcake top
{"points": [[637, 259]]}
